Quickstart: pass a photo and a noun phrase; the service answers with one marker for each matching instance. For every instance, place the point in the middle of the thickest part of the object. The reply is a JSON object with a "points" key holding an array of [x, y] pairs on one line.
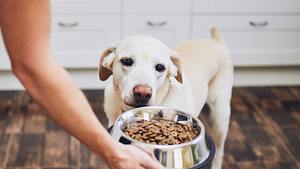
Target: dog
{"points": [[143, 71]]}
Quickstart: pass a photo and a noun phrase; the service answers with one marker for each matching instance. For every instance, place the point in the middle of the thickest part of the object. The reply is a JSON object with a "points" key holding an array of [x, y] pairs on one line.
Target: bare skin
{"points": [[25, 26]]}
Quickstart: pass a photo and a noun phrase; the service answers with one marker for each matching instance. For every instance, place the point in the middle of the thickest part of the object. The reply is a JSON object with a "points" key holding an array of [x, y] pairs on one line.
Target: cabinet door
{"points": [[256, 40], [169, 29], [261, 6], [157, 6], [4, 60], [78, 40], [85, 6]]}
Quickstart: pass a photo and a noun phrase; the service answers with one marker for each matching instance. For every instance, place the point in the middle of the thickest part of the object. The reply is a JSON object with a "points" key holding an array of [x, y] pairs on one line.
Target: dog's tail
{"points": [[216, 35]]}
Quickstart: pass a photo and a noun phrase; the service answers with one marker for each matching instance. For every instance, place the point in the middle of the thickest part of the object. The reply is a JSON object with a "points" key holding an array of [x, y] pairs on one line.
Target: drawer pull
{"points": [[68, 25], [156, 24], [258, 24]]}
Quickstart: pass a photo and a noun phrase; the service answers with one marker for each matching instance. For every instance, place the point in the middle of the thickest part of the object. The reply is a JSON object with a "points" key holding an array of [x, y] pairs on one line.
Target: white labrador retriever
{"points": [[146, 72]]}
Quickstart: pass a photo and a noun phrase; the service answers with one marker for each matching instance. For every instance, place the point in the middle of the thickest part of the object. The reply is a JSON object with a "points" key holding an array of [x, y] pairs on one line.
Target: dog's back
{"points": [[202, 60]]}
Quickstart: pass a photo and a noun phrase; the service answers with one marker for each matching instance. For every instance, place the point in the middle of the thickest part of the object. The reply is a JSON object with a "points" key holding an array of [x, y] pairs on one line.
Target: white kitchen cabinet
{"points": [[167, 20], [78, 40], [246, 6], [86, 6], [256, 40], [82, 29], [167, 28], [157, 6]]}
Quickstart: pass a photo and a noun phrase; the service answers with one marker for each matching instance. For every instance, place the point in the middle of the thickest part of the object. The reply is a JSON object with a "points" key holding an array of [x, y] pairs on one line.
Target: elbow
{"points": [[32, 69], [23, 70]]}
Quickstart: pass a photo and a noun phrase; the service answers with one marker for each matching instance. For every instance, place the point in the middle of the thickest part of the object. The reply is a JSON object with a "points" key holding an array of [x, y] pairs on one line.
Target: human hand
{"points": [[131, 157]]}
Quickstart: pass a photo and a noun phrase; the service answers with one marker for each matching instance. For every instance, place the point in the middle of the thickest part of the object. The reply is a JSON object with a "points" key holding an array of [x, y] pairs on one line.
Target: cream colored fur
{"points": [[198, 72]]}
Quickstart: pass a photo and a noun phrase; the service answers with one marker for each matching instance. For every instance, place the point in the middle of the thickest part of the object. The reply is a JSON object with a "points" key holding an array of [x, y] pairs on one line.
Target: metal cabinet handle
{"points": [[157, 24], [68, 24], [259, 24]]}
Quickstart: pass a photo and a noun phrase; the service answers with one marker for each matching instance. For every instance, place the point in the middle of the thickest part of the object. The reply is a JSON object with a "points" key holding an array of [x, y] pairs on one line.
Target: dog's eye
{"points": [[160, 68], [126, 61]]}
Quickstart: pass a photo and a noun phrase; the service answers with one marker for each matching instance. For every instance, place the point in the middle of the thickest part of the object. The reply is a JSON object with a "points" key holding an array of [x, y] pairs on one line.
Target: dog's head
{"points": [[140, 65]]}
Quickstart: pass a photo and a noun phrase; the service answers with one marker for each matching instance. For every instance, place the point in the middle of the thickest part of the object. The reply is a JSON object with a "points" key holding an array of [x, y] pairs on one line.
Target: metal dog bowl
{"points": [[195, 154]]}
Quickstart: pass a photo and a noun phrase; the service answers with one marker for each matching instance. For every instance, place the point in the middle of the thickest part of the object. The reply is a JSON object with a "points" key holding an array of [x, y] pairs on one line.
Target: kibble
{"points": [[160, 131]]}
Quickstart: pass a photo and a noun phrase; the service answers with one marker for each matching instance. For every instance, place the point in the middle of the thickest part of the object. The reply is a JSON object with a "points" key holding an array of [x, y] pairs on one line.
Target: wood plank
{"points": [[99, 111], [15, 125], [265, 144], [85, 154], [69, 167], [296, 91], [260, 92], [241, 151], [250, 165], [227, 165], [4, 138], [8, 95], [14, 150], [239, 104], [56, 149], [292, 105], [96, 99], [282, 117], [247, 119], [234, 136], [97, 162], [74, 152], [31, 150], [283, 93], [8, 108], [34, 120], [264, 129], [94, 95], [5, 116], [280, 165], [296, 116], [292, 140], [271, 105], [51, 125]]}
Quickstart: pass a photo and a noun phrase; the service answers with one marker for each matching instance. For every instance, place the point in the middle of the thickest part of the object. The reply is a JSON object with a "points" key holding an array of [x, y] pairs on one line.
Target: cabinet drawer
{"points": [[87, 22], [86, 6], [259, 6], [81, 46], [157, 6], [169, 29], [253, 23], [274, 43]]}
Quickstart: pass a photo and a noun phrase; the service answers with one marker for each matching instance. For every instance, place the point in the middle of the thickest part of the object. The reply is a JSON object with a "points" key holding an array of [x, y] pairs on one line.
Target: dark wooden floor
{"points": [[264, 132]]}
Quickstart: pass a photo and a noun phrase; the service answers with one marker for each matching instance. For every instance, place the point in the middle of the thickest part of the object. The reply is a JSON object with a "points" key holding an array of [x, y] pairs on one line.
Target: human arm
{"points": [[25, 26]]}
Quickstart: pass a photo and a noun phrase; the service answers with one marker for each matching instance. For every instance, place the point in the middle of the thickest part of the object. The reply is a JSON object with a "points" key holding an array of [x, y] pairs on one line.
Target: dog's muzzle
{"points": [[142, 95]]}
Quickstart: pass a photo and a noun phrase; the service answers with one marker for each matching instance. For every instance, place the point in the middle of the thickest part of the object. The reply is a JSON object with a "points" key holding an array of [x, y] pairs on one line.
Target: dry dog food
{"points": [[160, 131]]}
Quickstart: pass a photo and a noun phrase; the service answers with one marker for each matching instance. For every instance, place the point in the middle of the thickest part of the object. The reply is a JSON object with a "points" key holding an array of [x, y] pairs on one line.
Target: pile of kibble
{"points": [[160, 131]]}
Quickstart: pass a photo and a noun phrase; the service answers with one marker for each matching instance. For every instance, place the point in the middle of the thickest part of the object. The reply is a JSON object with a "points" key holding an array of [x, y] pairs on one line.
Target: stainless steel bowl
{"points": [[183, 156]]}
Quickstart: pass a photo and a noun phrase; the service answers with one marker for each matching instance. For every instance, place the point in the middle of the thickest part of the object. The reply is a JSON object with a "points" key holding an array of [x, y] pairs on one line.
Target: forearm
{"points": [[52, 87], [26, 27]]}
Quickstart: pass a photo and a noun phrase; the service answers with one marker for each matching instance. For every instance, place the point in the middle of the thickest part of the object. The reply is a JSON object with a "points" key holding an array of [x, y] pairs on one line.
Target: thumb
{"points": [[149, 163]]}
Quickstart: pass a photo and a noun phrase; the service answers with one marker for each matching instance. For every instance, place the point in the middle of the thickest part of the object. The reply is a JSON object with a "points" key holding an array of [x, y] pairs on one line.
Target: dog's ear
{"points": [[106, 63], [175, 66]]}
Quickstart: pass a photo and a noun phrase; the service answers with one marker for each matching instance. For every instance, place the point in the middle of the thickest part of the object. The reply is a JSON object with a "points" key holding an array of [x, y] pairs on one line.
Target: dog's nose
{"points": [[142, 94]]}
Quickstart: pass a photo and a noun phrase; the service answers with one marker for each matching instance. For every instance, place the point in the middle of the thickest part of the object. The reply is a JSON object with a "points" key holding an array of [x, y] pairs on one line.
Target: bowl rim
{"points": [[195, 141]]}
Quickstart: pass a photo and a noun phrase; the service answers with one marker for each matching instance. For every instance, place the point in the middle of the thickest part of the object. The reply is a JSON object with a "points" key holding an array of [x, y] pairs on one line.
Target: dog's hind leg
{"points": [[219, 96]]}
